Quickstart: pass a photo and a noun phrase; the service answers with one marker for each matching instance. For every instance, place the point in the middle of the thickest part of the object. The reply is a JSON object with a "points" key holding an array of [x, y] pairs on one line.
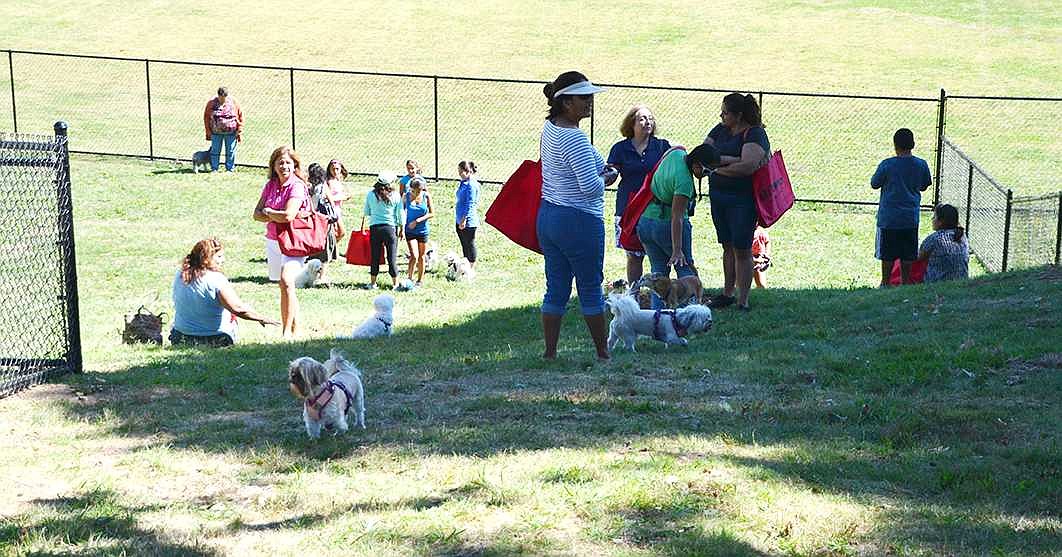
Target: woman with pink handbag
{"points": [[284, 195]]}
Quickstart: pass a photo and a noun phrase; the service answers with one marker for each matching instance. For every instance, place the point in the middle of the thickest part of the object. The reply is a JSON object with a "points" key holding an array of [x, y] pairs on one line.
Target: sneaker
{"points": [[371, 287], [721, 301]]}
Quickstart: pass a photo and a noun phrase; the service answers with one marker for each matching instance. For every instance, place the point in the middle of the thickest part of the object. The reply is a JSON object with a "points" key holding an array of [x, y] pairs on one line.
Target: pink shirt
{"points": [[276, 197], [335, 189]]}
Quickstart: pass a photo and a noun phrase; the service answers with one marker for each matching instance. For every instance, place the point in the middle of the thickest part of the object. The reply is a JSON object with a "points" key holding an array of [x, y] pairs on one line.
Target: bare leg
{"points": [[634, 268], [289, 303], [372, 281], [411, 245], [760, 278], [886, 270], [599, 333], [743, 272], [422, 249], [551, 326], [729, 272]]}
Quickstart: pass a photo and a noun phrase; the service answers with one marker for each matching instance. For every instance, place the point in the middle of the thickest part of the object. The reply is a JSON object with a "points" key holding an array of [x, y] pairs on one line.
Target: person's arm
{"points": [[880, 177], [206, 118], [928, 179], [431, 209], [583, 161], [464, 202], [259, 210], [239, 121], [678, 213], [399, 217], [291, 210], [229, 300], [368, 210], [752, 158], [926, 249]]}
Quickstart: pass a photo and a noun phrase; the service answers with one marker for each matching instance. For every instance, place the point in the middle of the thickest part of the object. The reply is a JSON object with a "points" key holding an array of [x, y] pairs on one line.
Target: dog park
{"points": [[834, 418]]}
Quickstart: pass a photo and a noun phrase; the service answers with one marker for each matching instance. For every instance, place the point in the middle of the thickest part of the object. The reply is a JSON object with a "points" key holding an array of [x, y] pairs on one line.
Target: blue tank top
{"points": [[414, 211]]}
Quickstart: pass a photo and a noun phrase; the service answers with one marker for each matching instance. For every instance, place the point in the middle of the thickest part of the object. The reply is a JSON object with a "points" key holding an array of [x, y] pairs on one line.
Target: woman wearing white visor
{"points": [[570, 226]]}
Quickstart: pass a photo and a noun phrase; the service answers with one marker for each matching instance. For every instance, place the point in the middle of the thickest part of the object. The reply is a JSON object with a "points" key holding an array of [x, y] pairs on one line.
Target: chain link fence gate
{"points": [[39, 332]]}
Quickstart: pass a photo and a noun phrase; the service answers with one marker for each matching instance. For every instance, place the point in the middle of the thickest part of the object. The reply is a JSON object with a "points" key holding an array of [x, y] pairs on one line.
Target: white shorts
{"points": [[277, 260]]}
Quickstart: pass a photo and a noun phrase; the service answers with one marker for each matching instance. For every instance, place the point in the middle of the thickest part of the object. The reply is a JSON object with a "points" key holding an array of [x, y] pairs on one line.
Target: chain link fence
{"points": [[39, 328]]}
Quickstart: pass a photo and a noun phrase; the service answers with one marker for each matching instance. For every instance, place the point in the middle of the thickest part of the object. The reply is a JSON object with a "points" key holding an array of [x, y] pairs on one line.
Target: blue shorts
{"points": [[573, 246], [734, 217]]}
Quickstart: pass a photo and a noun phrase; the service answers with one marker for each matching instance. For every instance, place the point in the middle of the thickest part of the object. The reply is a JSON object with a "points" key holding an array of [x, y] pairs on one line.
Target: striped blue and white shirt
{"points": [[571, 170]]}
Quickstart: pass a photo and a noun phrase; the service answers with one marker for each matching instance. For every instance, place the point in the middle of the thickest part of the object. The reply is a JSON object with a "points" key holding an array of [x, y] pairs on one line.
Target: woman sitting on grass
{"points": [[205, 306], [946, 249]]}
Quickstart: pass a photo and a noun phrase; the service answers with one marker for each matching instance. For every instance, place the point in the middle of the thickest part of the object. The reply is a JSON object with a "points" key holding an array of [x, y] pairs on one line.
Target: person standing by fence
{"points": [[223, 120], [901, 179], [570, 225], [467, 209], [635, 157]]}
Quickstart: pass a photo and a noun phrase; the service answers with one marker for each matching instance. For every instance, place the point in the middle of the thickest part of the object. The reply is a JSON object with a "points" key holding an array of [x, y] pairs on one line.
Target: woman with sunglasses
{"points": [[383, 208], [743, 148], [574, 177]]}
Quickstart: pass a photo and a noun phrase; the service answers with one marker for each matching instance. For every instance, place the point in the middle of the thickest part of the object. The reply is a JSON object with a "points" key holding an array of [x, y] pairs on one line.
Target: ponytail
{"points": [[747, 106], [467, 166], [556, 104], [948, 216]]}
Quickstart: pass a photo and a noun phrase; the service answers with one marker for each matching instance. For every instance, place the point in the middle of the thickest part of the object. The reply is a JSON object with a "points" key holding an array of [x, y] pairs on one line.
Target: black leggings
{"points": [[381, 236], [468, 242]]}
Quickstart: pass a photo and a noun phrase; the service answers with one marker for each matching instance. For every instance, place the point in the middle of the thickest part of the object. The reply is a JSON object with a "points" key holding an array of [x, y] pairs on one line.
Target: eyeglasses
{"points": [[723, 114]]}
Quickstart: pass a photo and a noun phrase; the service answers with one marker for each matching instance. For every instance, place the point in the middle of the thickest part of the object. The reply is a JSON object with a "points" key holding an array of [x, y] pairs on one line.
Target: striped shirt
{"points": [[571, 170]]}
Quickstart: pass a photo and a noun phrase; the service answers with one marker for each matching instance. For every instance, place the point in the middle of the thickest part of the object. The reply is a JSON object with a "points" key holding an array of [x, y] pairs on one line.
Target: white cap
{"points": [[580, 88], [385, 178]]}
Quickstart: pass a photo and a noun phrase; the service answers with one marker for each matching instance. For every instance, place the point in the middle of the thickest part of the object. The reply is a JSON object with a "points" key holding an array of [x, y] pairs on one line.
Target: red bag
{"points": [[918, 272], [773, 190], [636, 206], [515, 209], [359, 252], [306, 235]]}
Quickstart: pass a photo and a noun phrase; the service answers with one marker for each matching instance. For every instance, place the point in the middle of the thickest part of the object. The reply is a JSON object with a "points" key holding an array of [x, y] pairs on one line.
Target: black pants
{"points": [[468, 242], [382, 236], [178, 338]]}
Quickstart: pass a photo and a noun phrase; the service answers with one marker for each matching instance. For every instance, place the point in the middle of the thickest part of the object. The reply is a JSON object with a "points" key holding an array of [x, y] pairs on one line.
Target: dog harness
{"points": [[658, 332], [317, 403], [387, 326]]}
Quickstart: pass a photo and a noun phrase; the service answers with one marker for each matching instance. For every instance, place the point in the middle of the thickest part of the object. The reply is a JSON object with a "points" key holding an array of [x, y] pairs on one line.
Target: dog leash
{"points": [[658, 333]]}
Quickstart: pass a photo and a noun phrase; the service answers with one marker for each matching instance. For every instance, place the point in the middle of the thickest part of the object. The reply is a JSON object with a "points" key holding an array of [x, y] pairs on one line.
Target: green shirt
{"points": [[672, 178], [383, 213]]}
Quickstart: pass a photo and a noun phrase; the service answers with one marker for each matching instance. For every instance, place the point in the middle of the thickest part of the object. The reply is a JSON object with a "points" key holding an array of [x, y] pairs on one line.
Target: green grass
{"points": [[834, 419]]}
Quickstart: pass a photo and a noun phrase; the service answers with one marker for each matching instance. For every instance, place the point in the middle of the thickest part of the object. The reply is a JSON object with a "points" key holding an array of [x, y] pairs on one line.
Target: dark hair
{"points": [[745, 105], [556, 105], [200, 260], [903, 139], [383, 192], [704, 154], [948, 216], [223, 91], [316, 174], [467, 166]]}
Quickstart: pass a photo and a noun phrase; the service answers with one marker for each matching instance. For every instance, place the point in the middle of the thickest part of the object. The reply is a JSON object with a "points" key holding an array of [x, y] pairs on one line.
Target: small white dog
{"points": [[458, 268], [382, 322], [311, 271], [667, 326], [431, 257], [329, 392]]}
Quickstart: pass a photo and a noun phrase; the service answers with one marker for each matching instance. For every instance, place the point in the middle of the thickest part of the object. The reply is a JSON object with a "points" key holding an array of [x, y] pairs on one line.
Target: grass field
{"points": [[834, 419]]}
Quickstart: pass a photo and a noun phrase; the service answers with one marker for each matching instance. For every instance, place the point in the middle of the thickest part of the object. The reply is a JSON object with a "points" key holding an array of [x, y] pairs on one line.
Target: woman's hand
{"points": [[678, 259], [609, 173], [412, 225], [268, 321], [461, 226]]}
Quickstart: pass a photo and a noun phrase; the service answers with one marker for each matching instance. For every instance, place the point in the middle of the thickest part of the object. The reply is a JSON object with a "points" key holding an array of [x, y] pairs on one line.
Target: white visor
{"points": [[580, 88]]}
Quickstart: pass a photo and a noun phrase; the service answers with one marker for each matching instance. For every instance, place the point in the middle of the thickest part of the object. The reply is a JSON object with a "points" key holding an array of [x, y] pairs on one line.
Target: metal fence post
{"points": [[66, 248], [1058, 230], [291, 83], [1006, 229], [151, 131], [969, 193], [435, 110], [11, 74], [940, 144]]}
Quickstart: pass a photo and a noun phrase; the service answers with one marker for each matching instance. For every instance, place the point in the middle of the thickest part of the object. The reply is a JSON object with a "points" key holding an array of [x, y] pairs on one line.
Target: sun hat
{"points": [[579, 88], [384, 178]]}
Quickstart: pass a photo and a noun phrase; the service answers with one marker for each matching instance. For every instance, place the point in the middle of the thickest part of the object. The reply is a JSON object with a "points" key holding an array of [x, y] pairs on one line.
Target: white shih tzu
{"points": [[667, 326], [311, 271], [382, 322], [432, 258], [458, 268], [329, 391]]}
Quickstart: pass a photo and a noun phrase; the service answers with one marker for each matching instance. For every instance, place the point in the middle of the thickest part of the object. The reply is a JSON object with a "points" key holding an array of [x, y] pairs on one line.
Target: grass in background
{"points": [[833, 419]]}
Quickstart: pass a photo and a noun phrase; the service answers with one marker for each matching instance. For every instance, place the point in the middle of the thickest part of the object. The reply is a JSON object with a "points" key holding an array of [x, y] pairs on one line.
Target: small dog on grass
{"points": [[678, 292], [329, 392], [201, 161], [381, 324], [431, 258], [667, 326], [311, 272], [458, 268]]}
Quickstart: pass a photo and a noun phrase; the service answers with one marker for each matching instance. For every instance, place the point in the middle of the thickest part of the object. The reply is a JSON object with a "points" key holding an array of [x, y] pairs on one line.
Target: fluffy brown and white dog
{"points": [[678, 292], [667, 326], [329, 391]]}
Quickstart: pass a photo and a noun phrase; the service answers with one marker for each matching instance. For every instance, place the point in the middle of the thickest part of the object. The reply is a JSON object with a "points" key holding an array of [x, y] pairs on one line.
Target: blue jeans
{"points": [[573, 243], [656, 239], [229, 139]]}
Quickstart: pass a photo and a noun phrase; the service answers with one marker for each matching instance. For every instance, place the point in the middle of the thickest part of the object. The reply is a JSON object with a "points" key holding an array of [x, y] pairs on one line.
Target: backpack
{"points": [[143, 326], [223, 118]]}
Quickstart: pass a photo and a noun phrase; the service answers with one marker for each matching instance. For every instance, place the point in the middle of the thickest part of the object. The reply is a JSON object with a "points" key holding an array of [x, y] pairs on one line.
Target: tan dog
{"points": [[678, 292]]}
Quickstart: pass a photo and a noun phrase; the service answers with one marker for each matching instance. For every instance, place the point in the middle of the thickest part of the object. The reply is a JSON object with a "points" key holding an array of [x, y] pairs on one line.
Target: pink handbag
{"points": [[773, 190]]}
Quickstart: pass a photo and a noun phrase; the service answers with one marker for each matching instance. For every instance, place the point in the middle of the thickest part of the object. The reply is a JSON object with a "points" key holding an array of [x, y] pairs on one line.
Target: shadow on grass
{"points": [[850, 369], [95, 521]]}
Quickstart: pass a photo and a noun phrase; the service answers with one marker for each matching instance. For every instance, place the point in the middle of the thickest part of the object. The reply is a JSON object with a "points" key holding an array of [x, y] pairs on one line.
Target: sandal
{"points": [[721, 301]]}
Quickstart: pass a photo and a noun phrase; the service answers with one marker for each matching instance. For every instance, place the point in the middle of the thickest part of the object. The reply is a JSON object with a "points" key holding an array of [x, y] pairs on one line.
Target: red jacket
{"points": [[210, 105]]}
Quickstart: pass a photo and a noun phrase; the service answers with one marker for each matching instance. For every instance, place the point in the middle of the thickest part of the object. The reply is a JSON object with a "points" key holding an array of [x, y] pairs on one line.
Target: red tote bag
{"points": [[918, 272], [515, 211], [306, 235], [358, 250], [773, 190], [636, 206]]}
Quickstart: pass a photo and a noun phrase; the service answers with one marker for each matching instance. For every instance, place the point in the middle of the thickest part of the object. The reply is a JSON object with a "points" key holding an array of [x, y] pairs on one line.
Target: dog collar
{"points": [[658, 333], [387, 326], [317, 403]]}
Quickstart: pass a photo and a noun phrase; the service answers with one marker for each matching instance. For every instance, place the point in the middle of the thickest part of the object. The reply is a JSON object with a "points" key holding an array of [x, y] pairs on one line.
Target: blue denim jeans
{"points": [[573, 243], [216, 140], [656, 239]]}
